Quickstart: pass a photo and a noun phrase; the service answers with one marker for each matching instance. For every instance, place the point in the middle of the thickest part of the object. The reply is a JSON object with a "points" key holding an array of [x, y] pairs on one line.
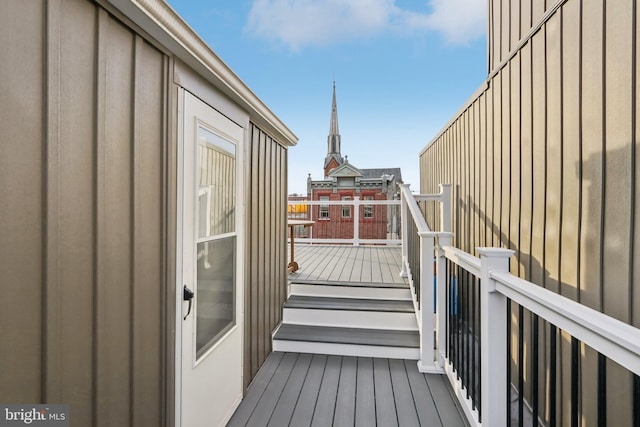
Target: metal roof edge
{"points": [[160, 21], [483, 87]]}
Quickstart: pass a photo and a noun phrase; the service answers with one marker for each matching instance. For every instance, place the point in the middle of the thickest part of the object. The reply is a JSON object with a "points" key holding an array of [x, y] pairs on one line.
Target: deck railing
{"points": [[352, 222], [418, 254], [476, 302]]}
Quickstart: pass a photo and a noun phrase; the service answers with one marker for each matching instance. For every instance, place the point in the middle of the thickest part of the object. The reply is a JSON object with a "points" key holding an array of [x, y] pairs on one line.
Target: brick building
{"points": [[344, 182]]}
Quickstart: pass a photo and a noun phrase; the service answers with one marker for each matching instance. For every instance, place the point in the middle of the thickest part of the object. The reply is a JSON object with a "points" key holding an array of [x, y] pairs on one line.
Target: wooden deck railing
{"points": [[476, 302]]}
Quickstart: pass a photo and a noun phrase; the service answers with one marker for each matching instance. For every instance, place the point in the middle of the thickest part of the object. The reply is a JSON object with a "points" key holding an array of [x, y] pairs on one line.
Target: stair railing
{"points": [[477, 300], [481, 295], [418, 266]]}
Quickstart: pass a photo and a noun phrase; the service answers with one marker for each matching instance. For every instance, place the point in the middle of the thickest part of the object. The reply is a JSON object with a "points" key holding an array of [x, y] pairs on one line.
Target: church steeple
{"points": [[334, 158], [333, 126]]}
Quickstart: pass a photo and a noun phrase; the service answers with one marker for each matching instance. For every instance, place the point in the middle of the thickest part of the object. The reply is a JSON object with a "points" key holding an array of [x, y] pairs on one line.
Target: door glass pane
{"points": [[216, 243], [216, 184], [215, 302]]}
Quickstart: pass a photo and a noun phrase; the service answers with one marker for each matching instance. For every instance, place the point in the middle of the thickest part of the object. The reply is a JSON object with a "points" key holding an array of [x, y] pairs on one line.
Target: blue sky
{"points": [[402, 69]]}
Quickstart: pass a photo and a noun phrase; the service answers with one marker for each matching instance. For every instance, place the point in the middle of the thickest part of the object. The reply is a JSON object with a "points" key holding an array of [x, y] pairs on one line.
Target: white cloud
{"points": [[460, 21], [300, 23]]}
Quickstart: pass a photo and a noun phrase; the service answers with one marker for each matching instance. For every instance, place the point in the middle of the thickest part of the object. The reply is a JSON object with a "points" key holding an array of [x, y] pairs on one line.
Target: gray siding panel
{"points": [[70, 204], [83, 214], [618, 126], [266, 246], [592, 148], [148, 235], [571, 192], [557, 166], [21, 201]]}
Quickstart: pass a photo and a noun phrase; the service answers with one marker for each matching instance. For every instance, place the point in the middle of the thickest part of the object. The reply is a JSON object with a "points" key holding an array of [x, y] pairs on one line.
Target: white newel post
{"points": [[493, 331], [444, 239], [404, 217], [427, 362], [356, 220], [445, 207]]}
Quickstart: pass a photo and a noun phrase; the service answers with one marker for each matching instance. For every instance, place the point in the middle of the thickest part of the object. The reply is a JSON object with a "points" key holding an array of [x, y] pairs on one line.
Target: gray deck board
{"points": [[306, 404], [385, 408], [405, 405], [345, 401], [365, 412], [356, 269], [301, 390], [443, 401], [367, 274], [342, 263], [338, 264], [274, 389], [256, 389], [426, 408], [326, 403], [288, 399], [358, 336]]}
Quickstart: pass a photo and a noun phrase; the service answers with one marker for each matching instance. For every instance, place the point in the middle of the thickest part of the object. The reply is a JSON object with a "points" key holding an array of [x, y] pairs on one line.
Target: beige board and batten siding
{"points": [[88, 185], [266, 245], [543, 160], [84, 214]]}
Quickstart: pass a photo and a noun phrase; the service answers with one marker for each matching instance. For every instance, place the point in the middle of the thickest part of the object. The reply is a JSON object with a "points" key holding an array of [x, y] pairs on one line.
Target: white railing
{"points": [[472, 336], [378, 221], [418, 258]]}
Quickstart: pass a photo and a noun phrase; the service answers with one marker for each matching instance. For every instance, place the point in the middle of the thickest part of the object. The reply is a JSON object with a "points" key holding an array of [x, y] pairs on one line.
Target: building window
{"points": [[324, 209], [346, 209], [368, 209]]}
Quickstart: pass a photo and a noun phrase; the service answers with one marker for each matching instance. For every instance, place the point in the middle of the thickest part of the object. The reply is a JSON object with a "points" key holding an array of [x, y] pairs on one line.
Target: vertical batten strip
{"points": [[51, 339], [134, 237], [633, 166], [99, 204], [635, 292]]}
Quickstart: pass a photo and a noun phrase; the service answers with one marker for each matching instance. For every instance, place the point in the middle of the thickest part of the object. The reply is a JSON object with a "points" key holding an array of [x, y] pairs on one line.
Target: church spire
{"points": [[333, 126], [334, 158]]}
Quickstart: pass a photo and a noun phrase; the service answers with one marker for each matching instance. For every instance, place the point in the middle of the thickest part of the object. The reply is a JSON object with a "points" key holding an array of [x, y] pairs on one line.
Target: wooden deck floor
{"points": [[342, 263], [294, 389]]}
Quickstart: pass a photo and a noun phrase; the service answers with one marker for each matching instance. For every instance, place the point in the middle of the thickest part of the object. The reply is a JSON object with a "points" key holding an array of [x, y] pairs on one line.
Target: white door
{"points": [[211, 327]]}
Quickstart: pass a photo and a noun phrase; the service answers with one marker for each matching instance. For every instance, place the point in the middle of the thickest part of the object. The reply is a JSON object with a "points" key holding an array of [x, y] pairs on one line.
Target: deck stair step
{"points": [[390, 291], [349, 319], [345, 341], [355, 304], [350, 312]]}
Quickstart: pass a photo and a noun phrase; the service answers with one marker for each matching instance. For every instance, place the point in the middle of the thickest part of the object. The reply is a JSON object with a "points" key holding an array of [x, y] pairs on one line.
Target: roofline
{"points": [[483, 88], [161, 22]]}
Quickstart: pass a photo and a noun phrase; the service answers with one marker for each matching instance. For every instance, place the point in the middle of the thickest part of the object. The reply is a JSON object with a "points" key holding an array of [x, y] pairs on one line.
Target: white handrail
{"points": [[614, 339], [463, 259], [617, 340], [414, 209]]}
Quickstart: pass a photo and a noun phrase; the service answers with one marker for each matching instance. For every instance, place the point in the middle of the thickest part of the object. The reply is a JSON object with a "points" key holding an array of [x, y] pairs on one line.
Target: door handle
{"points": [[187, 295]]}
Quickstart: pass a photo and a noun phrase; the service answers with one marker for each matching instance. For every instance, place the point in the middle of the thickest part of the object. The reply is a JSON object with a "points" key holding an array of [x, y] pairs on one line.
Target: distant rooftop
{"points": [[377, 173]]}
